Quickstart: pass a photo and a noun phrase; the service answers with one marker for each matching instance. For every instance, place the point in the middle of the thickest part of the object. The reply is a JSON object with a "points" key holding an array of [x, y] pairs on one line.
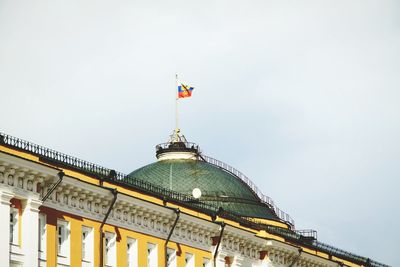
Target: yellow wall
{"points": [[76, 223]]}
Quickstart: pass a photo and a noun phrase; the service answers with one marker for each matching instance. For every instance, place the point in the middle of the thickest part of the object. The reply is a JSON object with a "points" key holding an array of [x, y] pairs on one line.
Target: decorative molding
{"points": [[282, 254], [22, 180], [5, 197], [34, 204]]}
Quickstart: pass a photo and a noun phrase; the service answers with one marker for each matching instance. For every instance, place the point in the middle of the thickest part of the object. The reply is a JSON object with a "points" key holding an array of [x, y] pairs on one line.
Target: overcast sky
{"points": [[302, 96]]}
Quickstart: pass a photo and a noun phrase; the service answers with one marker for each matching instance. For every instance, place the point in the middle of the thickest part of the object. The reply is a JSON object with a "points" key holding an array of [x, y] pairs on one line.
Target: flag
{"points": [[184, 90]]}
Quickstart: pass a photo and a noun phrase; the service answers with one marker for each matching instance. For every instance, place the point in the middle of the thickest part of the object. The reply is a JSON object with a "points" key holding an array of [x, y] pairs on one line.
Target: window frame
{"points": [[42, 239], [110, 249], [87, 253], [171, 262], [189, 259], [206, 262], [63, 238], [132, 252], [14, 226], [152, 255]]}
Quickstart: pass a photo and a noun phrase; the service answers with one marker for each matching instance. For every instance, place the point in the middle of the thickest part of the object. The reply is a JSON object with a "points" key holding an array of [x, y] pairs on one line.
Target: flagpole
{"points": [[176, 108]]}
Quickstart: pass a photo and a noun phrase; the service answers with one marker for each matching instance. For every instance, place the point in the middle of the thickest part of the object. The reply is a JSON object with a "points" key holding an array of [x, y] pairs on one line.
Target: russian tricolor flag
{"points": [[184, 90]]}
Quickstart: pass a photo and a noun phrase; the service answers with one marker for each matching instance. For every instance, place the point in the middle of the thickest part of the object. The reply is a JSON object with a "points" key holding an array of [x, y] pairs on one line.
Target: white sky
{"points": [[302, 96]]}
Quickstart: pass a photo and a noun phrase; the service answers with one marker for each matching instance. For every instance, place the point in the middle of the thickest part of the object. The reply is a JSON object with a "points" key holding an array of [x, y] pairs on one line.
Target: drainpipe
{"points": [[296, 259], [177, 212], [219, 242], [60, 178], [115, 193]]}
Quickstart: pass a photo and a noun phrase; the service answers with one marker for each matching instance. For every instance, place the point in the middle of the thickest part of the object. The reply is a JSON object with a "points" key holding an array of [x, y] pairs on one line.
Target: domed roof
{"points": [[218, 187]]}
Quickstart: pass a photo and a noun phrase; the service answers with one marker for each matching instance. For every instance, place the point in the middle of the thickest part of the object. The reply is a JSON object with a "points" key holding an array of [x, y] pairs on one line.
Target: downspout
{"points": [[60, 178], [296, 259], [115, 193], [177, 212], [219, 242]]}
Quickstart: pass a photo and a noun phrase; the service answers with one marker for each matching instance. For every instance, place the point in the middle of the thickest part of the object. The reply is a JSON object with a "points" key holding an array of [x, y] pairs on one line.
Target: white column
{"points": [[5, 198], [30, 232]]}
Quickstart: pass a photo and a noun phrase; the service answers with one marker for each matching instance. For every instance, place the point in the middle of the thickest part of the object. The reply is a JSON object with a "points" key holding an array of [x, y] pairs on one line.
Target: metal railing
{"points": [[179, 198], [340, 253], [308, 233], [177, 145], [181, 146], [317, 245], [265, 199], [53, 155]]}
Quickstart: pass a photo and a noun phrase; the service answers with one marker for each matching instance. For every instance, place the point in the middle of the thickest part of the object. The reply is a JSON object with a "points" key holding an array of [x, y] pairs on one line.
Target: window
{"points": [[152, 255], [189, 260], [206, 262], [14, 226], [87, 244], [131, 252], [62, 238], [110, 247], [171, 257], [42, 232]]}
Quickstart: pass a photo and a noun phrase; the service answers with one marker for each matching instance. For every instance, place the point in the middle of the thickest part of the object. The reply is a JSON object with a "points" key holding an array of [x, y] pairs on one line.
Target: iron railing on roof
{"points": [[179, 198], [265, 199], [340, 253], [178, 145], [315, 244], [53, 155], [167, 194], [308, 233]]}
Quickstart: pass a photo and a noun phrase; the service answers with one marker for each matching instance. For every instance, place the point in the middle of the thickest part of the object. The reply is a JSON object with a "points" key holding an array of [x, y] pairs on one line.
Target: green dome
{"points": [[218, 187]]}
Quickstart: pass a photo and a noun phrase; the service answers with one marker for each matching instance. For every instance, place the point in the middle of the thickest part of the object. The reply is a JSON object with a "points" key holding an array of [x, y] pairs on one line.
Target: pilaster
{"points": [[30, 235], [5, 198]]}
